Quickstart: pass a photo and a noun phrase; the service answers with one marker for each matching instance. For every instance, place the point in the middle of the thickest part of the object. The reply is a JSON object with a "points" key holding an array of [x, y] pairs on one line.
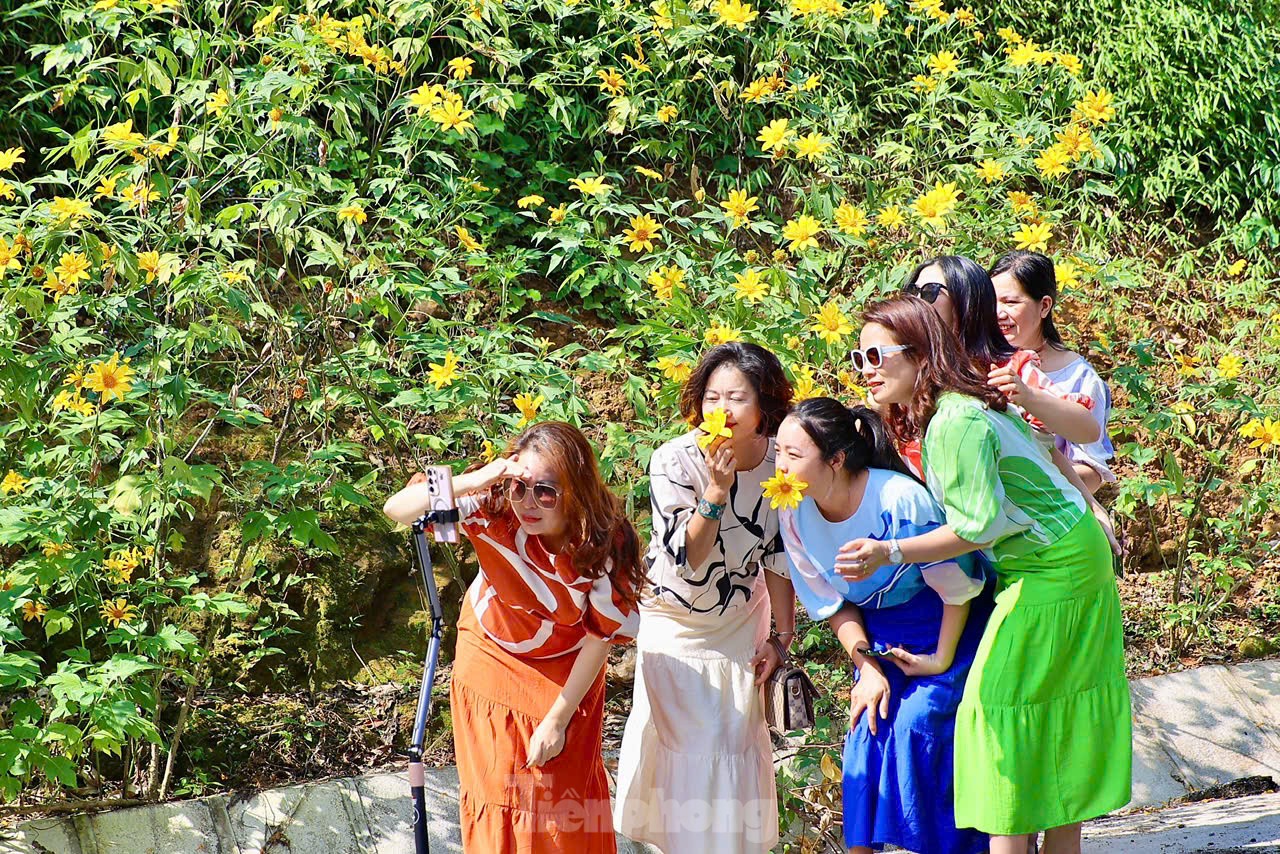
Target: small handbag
{"points": [[789, 694]]}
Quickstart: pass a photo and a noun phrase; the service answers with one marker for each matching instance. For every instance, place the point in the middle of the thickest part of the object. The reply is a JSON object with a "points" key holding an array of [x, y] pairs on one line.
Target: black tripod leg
{"points": [[417, 774]]}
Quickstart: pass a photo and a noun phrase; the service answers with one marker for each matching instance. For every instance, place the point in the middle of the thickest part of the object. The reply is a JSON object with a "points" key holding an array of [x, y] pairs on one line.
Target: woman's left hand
{"points": [[859, 559], [918, 665], [546, 742], [765, 661], [1108, 526], [1007, 381]]}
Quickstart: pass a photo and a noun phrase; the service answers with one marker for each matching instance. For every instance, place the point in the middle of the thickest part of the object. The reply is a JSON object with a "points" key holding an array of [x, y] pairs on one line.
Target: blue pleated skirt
{"points": [[898, 783]]}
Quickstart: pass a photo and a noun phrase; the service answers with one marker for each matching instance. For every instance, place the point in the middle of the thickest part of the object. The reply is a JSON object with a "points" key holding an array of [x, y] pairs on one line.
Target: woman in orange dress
{"points": [[559, 575]]}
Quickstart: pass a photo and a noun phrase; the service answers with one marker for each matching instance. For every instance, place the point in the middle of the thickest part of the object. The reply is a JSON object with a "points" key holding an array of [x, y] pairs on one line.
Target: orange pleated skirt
{"points": [[498, 700]]}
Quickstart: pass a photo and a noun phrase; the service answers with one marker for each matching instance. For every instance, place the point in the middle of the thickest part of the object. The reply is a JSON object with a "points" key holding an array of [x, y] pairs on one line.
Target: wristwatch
{"points": [[895, 552]]}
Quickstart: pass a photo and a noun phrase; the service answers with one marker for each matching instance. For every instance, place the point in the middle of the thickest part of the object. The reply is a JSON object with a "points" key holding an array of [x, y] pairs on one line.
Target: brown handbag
{"points": [[789, 694]]}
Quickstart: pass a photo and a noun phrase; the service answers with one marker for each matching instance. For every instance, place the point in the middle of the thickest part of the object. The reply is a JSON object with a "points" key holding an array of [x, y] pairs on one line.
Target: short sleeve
{"points": [[673, 499], [962, 454], [1097, 454], [1027, 365], [814, 591], [775, 557], [607, 615]]}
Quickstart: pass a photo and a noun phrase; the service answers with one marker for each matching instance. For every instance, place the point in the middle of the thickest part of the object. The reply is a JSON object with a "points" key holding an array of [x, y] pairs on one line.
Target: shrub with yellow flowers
{"points": [[257, 270]]}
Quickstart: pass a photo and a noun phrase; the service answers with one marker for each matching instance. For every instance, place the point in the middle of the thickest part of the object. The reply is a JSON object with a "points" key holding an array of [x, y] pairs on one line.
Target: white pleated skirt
{"points": [[695, 774]]}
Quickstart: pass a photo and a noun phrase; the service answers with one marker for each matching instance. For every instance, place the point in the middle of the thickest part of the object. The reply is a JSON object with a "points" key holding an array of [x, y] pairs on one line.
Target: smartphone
{"points": [[876, 653], [440, 490]]}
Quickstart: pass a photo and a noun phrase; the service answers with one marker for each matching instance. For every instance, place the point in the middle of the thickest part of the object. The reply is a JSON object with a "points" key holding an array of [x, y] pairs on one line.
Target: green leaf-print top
{"points": [[998, 485]]}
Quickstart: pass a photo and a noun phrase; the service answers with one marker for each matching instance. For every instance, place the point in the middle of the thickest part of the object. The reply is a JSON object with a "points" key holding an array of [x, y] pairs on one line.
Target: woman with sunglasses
{"points": [[911, 630], [696, 769], [1026, 293], [1043, 735], [962, 294], [559, 576]]}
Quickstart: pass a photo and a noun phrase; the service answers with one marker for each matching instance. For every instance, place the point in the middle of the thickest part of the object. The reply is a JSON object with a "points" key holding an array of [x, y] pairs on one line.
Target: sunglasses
{"points": [[545, 495], [927, 291], [874, 355]]}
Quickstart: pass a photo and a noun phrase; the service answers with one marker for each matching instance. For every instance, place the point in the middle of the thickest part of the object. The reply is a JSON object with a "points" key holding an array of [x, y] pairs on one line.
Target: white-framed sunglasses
{"points": [[874, 355]]}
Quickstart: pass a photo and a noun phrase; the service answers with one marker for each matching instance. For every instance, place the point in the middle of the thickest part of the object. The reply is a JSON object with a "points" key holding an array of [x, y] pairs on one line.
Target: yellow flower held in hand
{"points": [[111, 378], [441, 375], [784, 490], [713, 428], [642, 233], [1033, 237]]}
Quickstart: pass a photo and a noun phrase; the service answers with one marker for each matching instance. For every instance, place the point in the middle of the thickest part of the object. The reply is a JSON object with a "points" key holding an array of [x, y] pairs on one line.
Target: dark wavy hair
{"points": [[1034, 274], [856, 432], [974, 298], [943, 366], [762, 368], [601, 539]]}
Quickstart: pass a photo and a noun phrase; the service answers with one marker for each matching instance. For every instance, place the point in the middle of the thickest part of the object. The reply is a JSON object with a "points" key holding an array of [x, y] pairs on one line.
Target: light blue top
{"points": [[893, 507]]}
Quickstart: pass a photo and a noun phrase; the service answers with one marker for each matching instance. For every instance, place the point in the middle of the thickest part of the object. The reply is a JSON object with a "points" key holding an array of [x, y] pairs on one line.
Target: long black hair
{"points": [[1034, 274], [974, 298], [856, 432]]}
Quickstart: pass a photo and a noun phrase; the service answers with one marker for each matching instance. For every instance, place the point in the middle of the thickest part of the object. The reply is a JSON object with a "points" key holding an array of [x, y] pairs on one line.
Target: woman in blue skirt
{"points": [[911, 629]]}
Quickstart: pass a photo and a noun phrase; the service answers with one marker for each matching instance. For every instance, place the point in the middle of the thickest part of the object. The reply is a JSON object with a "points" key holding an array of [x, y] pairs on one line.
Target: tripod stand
{"points": [[417, 775]]}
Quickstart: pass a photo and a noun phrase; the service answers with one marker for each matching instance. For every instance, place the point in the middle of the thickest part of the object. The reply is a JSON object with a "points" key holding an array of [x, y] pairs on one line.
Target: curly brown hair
{"points": [[601, 539], [943, 365]]}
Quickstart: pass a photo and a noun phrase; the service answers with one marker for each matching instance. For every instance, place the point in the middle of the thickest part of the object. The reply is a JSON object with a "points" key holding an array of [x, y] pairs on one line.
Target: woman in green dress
{"points": [[1043, 733]]}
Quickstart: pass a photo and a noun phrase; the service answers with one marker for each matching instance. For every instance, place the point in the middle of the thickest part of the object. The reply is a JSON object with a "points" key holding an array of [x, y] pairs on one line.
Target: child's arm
{"points": [[953, 620]]}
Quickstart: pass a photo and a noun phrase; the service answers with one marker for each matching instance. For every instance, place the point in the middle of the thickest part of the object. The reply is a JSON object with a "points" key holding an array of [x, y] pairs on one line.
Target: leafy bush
{"points": [[256, 269]]}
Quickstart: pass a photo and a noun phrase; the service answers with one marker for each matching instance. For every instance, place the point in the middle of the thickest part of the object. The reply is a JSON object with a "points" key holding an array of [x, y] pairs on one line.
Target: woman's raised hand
{"points": [[722, 463]]}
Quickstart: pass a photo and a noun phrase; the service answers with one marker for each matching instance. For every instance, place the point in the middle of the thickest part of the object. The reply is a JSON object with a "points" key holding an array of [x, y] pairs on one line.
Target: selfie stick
{"points": [[417, 775]]}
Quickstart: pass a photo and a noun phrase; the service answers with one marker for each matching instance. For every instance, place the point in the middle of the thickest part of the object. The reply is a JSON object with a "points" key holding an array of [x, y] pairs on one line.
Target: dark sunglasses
{"points": [[874, 355], [545, 495], [927, 291]]}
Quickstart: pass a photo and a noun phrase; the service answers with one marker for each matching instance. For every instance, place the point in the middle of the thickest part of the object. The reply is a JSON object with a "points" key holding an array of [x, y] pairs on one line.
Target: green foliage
{"points": [[258, 263], [1196, 85]]}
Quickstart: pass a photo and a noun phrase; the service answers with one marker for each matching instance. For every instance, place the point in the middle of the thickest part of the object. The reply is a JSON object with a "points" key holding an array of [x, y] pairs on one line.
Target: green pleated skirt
{"points": [[1044, 731]]}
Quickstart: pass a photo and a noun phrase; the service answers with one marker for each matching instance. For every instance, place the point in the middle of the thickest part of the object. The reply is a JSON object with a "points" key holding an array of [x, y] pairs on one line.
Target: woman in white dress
{"points": [[696, 769], [1026, 293]]}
